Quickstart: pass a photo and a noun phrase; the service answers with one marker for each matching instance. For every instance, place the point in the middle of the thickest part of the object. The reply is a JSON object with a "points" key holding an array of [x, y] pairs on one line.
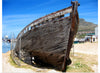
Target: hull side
{"points": [[48, 42]]}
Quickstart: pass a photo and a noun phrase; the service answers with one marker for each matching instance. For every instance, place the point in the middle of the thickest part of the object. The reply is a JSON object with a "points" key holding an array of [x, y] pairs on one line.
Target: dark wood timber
{"points": [[74, 27]]}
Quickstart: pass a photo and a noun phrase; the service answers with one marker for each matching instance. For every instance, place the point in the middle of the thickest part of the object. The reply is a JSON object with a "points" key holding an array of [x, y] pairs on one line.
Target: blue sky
{"points": [[16, 14]]}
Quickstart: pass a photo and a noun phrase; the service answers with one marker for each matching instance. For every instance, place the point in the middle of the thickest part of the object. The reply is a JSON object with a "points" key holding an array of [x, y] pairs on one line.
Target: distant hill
{"points": [[86, 26]]}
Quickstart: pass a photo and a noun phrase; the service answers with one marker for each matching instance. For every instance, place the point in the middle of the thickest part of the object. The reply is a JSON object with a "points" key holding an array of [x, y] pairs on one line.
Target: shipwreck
{"points": [[49, 39]]}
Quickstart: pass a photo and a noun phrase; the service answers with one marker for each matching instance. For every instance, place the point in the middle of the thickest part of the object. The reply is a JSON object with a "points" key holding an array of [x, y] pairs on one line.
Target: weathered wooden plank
{"points": [[50, 16]]}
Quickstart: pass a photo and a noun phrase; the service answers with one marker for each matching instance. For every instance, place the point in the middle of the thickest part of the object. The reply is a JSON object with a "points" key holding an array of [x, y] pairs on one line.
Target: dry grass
{"points": [[23, 65], [82, 63]]}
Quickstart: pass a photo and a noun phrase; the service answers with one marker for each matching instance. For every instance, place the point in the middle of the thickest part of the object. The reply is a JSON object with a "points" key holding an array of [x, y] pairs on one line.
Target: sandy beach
{"points": [[88, 49], [7, 67], [85, 48]]}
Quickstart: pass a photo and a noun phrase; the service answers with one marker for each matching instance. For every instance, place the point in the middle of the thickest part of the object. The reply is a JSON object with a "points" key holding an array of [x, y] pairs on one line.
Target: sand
{"points": [[7, 67], [86, 48]]}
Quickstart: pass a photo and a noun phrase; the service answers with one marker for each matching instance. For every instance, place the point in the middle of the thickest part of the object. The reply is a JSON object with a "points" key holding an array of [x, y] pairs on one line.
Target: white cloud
{"points": [[19, 19]]}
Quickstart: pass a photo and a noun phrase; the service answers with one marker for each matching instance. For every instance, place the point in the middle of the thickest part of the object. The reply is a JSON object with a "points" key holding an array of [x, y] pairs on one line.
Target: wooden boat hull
{"points": [[50, 42]]}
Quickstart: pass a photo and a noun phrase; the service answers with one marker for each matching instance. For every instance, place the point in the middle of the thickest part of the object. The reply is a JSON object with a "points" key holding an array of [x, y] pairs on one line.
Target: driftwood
{"points": [[50, 42]]}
